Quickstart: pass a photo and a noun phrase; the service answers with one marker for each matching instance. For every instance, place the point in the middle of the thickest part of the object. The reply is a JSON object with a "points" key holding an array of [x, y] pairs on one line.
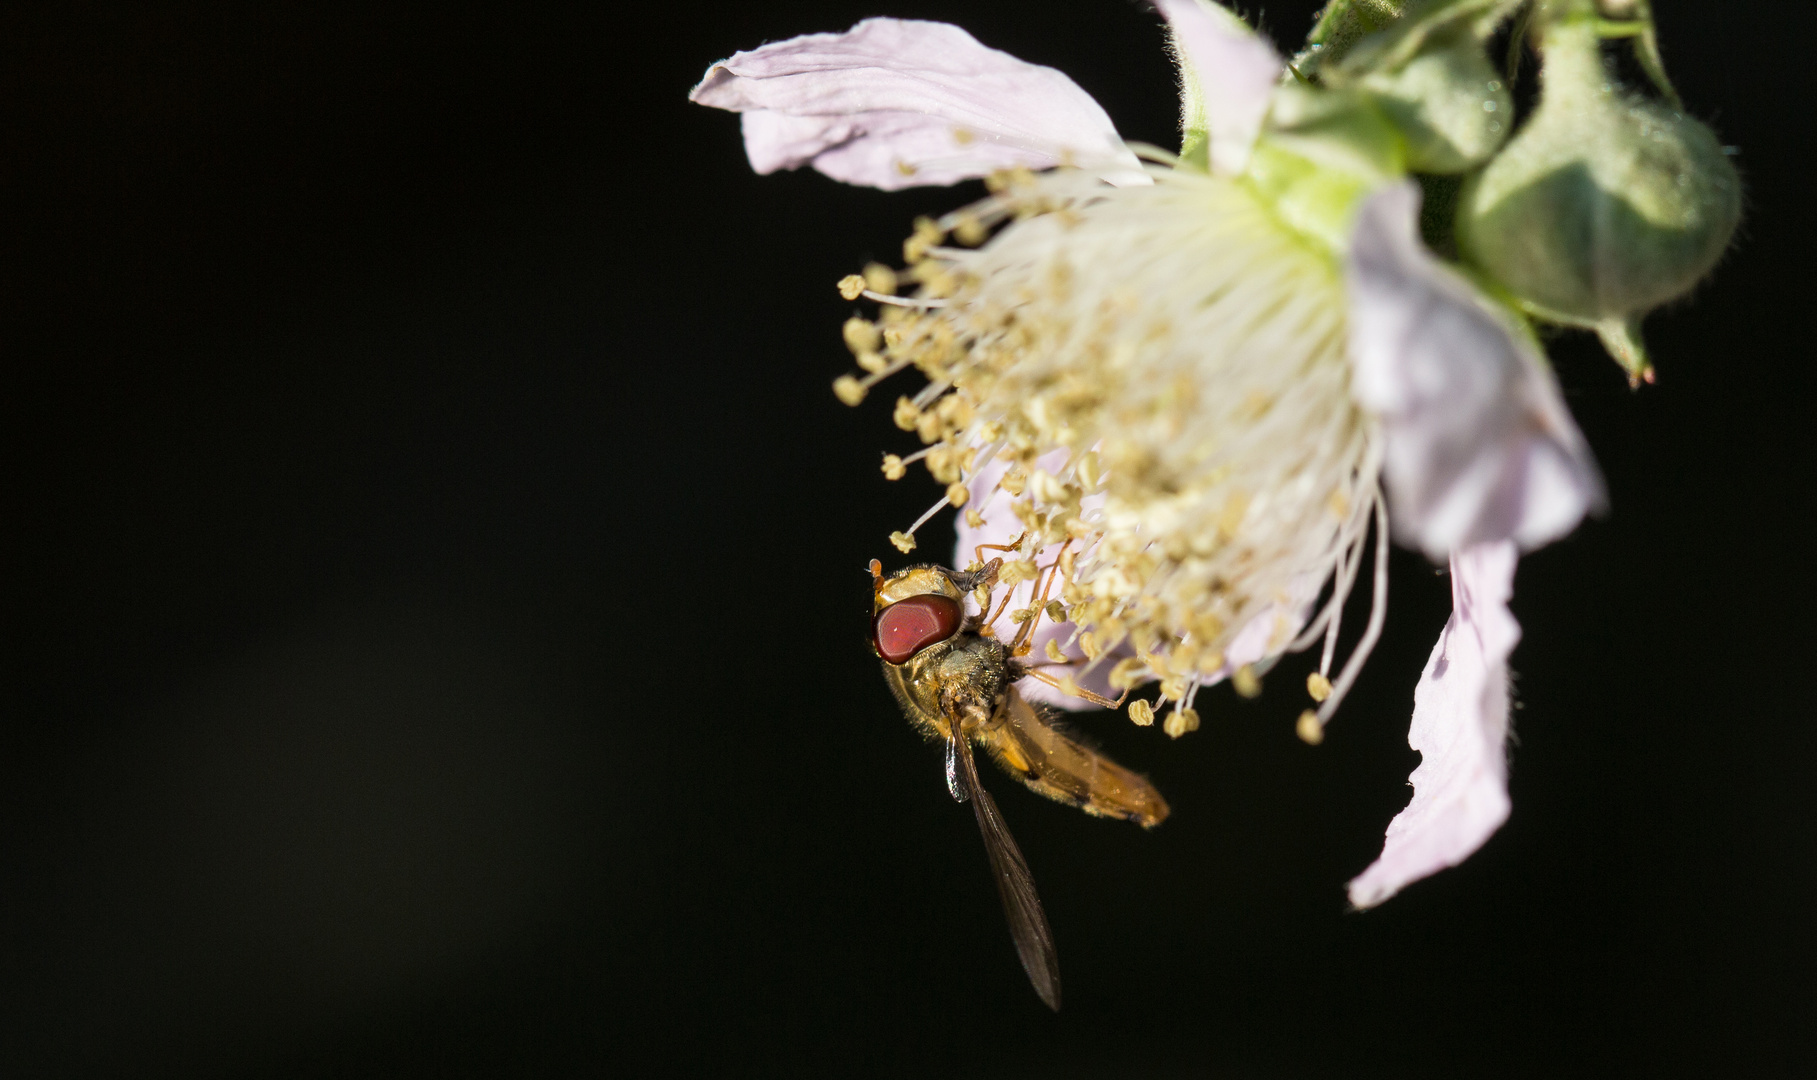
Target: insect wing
{"points": [[1015, 886], [955, 784], [1026, 743]]}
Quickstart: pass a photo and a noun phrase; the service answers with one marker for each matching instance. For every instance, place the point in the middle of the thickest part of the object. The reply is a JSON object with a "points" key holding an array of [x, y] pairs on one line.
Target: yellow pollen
{"points": [[1054, 653], [1318, 686], [1141, 713], [969, 231], [848, 389], [903, 541], [1056, 611], [851, 286], [963, 137], [1181, 721], [1308, 728], [904, 167], [1088, 644], [893, 468], [974, 519], [1245, 682], [957, 495]]}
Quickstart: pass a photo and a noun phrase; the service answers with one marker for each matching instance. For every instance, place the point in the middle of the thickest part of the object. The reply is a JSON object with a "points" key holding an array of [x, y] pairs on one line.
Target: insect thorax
{"points": [[966, 674]]}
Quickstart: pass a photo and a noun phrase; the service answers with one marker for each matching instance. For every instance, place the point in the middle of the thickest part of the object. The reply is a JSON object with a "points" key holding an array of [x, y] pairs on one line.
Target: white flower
{"points": [[1186, 390]]}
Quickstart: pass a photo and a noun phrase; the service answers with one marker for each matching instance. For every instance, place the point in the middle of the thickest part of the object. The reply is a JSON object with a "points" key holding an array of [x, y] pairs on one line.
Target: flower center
{"points": [[1154, 377]]}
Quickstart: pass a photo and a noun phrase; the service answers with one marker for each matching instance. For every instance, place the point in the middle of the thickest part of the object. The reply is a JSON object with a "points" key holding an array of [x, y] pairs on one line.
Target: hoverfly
{"points": [[956, 682]]}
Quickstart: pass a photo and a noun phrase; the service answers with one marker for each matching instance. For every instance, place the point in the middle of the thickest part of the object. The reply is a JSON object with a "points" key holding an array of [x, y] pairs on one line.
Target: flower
{"points": [[1181, 395]]}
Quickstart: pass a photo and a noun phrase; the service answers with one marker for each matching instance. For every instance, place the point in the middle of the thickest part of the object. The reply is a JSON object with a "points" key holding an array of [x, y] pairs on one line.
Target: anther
{"points": [[1056, 611], [1318, 686], [861, 335], [1126, 674], [1245, 682], [1054, 653], [904, 542], [1180, 721], [957, 495], [1308, 728], [892, 467], [906, 415], [879, 278], [851, 286], [1141, 713], [848, 389]]}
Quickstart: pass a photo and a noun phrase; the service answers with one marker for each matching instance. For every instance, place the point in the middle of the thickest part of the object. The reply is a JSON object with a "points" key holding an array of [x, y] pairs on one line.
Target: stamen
{"points": [[1378, 612], [918, 302]]}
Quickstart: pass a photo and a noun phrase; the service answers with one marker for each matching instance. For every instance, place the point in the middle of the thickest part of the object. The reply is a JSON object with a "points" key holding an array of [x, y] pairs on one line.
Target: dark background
{"points": [[434, 607]]}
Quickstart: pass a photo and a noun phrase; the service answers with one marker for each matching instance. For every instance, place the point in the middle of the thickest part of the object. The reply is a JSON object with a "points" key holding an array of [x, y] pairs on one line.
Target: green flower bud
{"points": [[1605, 204], [1448, 103]]}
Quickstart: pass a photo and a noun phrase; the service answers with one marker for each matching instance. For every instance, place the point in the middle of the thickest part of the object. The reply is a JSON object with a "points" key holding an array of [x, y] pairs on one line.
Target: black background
{"points": [[434, 605]]}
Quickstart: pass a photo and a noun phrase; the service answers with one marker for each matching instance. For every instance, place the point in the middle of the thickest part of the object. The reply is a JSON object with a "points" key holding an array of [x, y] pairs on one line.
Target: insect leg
{"points": [[1079, 691]]}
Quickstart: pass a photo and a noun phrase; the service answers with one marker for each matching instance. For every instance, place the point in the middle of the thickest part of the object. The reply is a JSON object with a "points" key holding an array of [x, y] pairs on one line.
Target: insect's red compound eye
{"points": [[908, 626]]}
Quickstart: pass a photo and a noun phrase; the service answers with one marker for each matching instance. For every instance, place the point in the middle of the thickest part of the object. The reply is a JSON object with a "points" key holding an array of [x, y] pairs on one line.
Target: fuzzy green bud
{"points": [[1606, 204], [1448, 102]]}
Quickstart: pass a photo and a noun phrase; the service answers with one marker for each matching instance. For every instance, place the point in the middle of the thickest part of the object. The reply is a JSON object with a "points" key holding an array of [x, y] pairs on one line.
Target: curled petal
{"points": [[1460, 725], [1478, 443], [1229, 71], [895, 103]]}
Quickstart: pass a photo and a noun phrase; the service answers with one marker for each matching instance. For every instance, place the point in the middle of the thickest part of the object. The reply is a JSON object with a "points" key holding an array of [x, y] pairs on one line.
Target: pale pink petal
{"points": [[1234, 71], [895, 103], [1460, 726], [1478, 443]]}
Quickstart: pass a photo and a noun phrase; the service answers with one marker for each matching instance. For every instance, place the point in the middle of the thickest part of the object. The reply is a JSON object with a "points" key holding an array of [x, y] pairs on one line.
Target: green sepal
{"points": [[1322, 151]]}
